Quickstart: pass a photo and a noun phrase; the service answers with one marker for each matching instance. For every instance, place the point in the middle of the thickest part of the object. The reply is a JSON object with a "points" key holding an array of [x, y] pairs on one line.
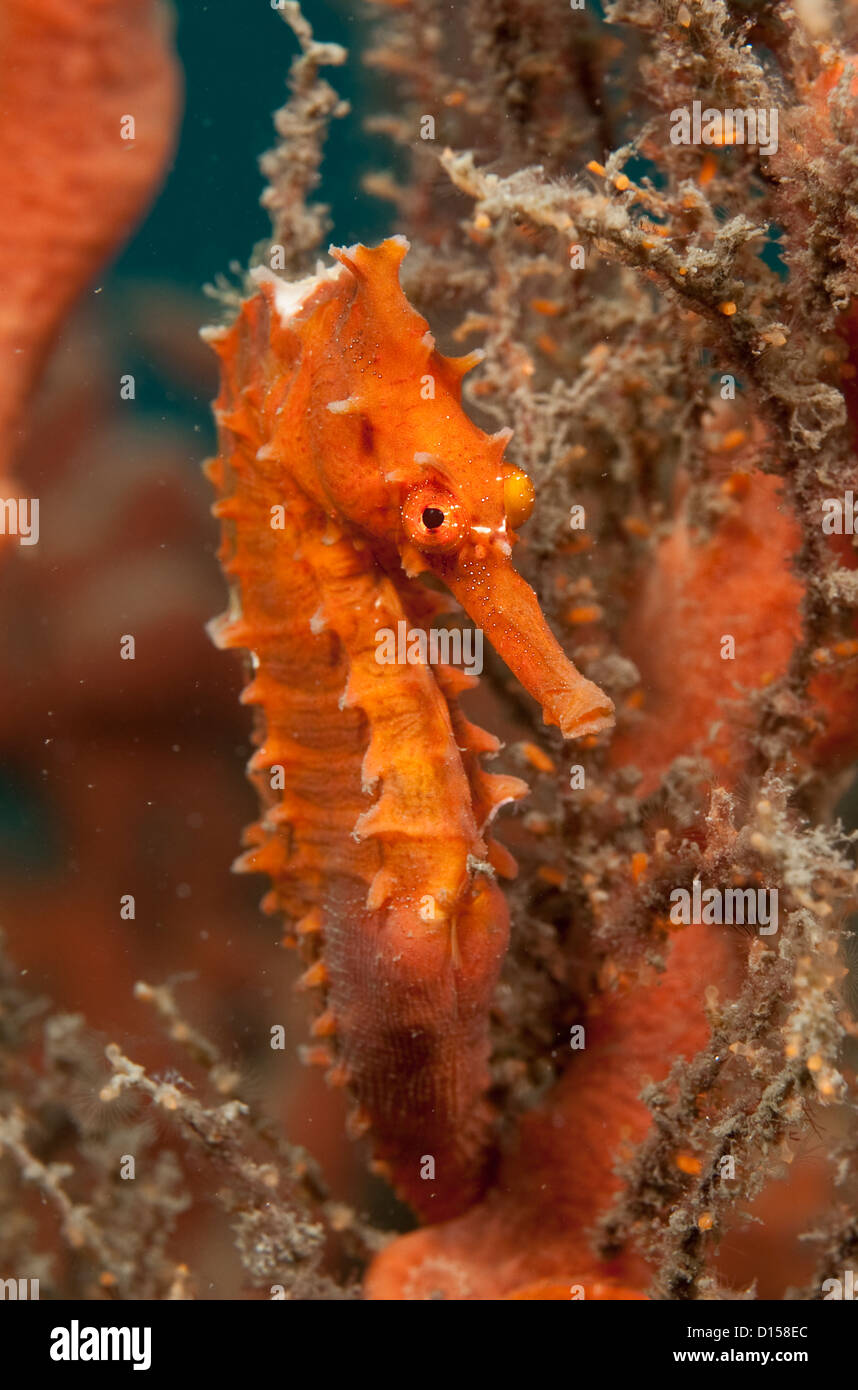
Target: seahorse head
{"points": [[395, 460]]}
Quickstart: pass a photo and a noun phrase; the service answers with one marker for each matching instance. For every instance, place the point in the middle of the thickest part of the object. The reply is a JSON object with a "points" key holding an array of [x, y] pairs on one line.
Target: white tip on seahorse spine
{"points": [[317, 622], [291, 295], [344, 407], [424, 460], [428, 341]]}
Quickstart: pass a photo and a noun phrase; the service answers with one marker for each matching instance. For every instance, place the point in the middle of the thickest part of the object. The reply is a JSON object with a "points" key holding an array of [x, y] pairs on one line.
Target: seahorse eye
{"points": [[432, 518]]}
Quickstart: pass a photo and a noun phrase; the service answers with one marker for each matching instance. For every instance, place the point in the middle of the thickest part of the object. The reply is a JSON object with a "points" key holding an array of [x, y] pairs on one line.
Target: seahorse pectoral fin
{"points": [[499, 601]]}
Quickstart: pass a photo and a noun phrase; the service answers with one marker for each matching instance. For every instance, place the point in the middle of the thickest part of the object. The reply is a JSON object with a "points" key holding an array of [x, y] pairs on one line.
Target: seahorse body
{"points": [[341, 478]]}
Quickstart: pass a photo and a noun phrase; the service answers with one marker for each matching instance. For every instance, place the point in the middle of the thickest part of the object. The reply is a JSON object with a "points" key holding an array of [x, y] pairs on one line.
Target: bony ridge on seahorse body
{"points": [[346, 469]]}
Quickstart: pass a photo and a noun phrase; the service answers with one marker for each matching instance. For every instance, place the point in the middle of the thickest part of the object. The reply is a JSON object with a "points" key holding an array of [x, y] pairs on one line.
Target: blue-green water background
{"points": [[235, 58]]}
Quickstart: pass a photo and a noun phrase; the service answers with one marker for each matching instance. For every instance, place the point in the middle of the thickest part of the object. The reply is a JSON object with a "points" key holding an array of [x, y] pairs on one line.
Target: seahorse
{"points": [[346, 472]]}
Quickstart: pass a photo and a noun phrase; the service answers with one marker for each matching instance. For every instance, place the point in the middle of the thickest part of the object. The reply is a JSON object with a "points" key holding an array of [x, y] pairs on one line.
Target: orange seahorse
{"points": [[347, 468]]}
